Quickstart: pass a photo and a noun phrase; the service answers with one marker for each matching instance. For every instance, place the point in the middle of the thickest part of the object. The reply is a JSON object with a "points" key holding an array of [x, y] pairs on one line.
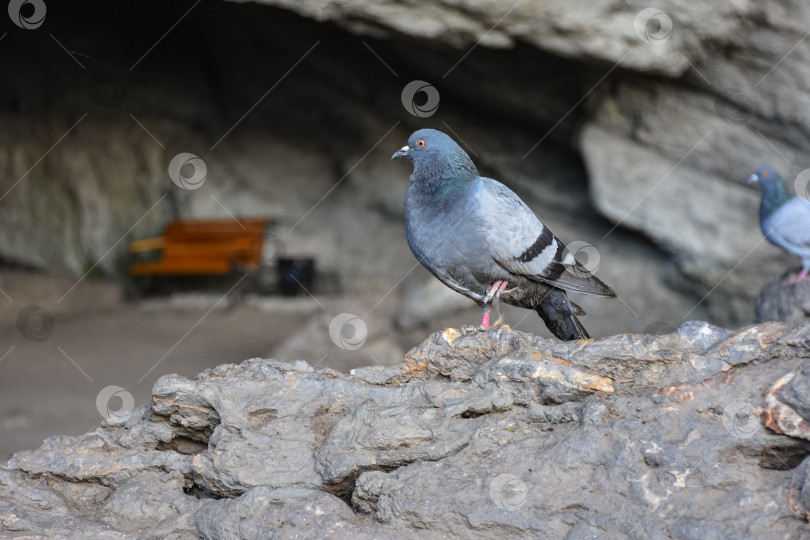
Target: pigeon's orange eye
{"points": [[420, 143], [765, 174]]}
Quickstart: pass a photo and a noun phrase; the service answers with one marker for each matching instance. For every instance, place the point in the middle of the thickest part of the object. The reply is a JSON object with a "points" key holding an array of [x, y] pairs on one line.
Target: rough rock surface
{"points": [[780, 302], [475, 434]]}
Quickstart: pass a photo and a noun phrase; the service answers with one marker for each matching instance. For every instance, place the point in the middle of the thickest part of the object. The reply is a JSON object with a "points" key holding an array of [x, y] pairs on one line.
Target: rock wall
{"points": [[690, 99], [473, 435]]}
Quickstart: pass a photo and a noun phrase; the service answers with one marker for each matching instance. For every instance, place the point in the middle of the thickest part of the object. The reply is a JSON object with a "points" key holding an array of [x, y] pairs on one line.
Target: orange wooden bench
{"points": [[205, 246]]}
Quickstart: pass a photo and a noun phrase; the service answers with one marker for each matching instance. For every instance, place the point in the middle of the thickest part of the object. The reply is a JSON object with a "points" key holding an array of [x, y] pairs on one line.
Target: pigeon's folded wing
{"points": [[790, 226], [519, 242]]}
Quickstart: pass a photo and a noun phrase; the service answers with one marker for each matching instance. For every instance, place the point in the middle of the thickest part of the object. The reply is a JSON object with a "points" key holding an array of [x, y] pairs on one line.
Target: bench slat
{"points": [[203, 247], [181, 267]]}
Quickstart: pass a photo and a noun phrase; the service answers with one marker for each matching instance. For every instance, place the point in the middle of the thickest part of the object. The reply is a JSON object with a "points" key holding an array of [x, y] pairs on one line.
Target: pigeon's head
{"points": [[765, 176], [435, 154], [774, 191]]}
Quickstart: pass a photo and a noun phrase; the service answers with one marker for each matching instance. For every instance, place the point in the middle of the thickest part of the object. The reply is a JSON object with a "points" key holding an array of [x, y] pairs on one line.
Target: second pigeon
{"points": [[784, 218]]}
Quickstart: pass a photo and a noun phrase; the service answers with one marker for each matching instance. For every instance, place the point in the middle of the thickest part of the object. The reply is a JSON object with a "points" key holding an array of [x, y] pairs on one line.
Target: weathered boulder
{"points": [[474, 434]]}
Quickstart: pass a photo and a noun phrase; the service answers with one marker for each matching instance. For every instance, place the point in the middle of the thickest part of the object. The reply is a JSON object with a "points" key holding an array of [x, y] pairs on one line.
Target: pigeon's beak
{"points": [[753, 179], [402, 152]]}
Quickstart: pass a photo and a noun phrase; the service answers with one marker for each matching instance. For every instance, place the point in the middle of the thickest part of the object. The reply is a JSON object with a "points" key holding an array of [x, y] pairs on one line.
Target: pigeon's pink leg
{"points": [[494, 292], [485, 319]]}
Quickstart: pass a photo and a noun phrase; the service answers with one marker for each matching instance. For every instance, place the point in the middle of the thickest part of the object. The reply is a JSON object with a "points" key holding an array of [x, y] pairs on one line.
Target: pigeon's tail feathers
{"points": [[558, 314], [562, 324], [581, 333]]}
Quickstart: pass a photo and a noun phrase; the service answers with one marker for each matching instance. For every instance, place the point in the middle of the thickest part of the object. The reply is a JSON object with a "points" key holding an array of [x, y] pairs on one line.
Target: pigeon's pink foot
{"points": [[801, 276], [485, 319]]}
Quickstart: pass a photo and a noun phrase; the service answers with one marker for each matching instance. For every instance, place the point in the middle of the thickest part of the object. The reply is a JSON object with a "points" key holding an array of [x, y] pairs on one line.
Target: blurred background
{"points": [[629, 127]]}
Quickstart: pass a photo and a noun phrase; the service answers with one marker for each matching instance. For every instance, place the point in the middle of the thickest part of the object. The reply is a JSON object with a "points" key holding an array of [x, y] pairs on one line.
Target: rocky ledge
{"points": [[701, 433]]}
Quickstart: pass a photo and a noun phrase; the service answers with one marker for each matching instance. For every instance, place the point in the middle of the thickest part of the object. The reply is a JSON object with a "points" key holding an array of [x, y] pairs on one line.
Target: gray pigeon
{"points": [[784, 218], [478, 238]]}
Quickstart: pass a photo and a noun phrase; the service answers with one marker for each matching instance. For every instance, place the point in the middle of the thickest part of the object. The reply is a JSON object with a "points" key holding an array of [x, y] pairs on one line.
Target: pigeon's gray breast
{"points": [[789, 227], [443, 239]]}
